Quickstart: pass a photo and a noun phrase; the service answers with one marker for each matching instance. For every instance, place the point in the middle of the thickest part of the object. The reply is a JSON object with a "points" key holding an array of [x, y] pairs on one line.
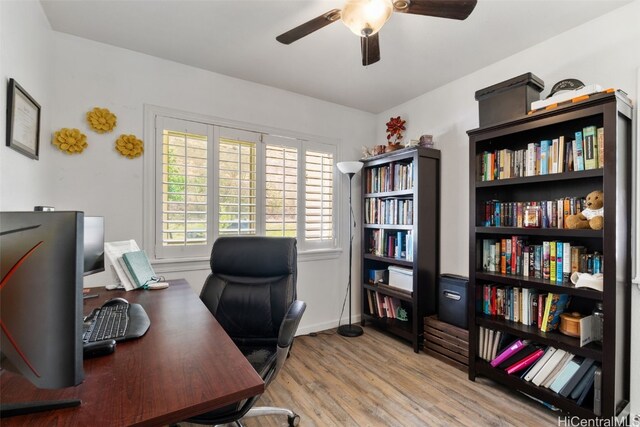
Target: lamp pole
{"points": [[350, 170]]}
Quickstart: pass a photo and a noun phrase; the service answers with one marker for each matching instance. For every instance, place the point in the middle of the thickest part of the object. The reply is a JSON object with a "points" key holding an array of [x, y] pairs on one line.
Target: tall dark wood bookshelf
{"points": [[613, 112], [418, 194]]}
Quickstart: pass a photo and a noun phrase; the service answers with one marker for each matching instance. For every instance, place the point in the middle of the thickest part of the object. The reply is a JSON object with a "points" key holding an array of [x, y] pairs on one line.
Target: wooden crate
{"points": [[446, 342]]}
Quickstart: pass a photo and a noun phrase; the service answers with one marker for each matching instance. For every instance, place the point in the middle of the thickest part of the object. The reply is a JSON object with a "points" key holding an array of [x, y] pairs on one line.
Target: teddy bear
{"points": [[592, 217]]}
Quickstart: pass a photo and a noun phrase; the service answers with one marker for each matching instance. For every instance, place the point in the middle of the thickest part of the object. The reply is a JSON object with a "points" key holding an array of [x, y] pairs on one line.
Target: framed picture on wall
{"points": [[23, 121]]}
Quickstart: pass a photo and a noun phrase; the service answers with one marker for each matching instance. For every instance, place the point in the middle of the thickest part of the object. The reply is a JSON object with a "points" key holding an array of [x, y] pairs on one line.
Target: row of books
{"points": [[392, 244], [557, 155], [391, 177], [560, 371], [381, 305], [551, 213], [551, 260], [524, 305], [388, 211]]}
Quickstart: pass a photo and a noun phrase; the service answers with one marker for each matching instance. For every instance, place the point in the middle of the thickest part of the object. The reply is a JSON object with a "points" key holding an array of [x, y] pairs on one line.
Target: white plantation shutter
{"points": [[213, 180], [183, 205], [281, 186], [237, 182], [319, 195]]}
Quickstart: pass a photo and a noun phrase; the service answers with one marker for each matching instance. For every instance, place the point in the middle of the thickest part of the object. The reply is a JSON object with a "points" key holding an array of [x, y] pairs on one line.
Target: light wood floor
{"points": [[377, 380]]}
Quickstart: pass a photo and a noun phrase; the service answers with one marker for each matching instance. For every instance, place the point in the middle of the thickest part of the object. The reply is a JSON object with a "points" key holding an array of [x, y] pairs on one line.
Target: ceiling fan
{"points": [[366, 17]]}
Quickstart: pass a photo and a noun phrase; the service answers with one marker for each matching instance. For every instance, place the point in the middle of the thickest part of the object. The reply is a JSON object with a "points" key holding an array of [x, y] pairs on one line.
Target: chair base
{"points": [[350, 330], [293, 419]]}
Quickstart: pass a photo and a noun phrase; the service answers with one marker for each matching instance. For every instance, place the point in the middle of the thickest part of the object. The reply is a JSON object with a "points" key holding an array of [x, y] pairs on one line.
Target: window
{"points": [[214, 180], [319, 196]]}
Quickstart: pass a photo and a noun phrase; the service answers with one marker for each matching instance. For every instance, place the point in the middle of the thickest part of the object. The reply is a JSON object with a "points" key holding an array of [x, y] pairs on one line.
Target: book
{"points": [[565, 95], [540, 363], [544, 156], [526, 362], [556, 371], [556, 304], [600, 139], [590, 148], [494, 346], [597, 392], [577, 377], [585, 381], [559, 262], [519, 355], [551, 364], [578, 150], [508, 352], [565, 375], [140, 268]]}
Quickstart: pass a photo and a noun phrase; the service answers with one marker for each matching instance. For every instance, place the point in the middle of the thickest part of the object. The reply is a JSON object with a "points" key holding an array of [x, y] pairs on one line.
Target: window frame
{"points": [[190, 260]]}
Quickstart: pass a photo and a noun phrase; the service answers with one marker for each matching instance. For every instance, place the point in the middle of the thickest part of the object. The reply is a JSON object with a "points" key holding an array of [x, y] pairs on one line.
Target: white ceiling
{"points": [[237, 38]]}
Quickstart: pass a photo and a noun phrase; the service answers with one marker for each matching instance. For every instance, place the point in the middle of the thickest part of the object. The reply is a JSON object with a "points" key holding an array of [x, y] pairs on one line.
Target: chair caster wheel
{"points": [[294, 421]]}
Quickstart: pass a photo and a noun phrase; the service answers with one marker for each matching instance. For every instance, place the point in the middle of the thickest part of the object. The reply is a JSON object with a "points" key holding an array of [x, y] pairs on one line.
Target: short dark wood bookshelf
{"points": [[612, 112], [401, 228]]}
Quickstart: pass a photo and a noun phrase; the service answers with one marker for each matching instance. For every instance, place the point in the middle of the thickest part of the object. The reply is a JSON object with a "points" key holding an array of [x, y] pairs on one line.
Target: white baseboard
{"points": [[318, 327]]}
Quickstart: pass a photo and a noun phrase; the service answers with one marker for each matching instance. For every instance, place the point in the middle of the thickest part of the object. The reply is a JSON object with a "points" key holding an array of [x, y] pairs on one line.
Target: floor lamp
{"points": [[350, 169]]}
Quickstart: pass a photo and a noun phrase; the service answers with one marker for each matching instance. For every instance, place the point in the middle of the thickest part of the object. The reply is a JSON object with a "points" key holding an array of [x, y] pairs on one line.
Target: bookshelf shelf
{"points": [[541, 393], [540, 284], [612, 112], [555, 339], [389, 226], [547, 232], [390, 194], [402, 329], [387, 290], [553, 177], [384, 259], [413, 174]]}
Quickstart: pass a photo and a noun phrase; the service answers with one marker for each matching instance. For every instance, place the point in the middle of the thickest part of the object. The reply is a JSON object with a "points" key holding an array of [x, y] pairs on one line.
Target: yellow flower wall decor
{"points": [[129, 146], [71, 141], [101, 120]]}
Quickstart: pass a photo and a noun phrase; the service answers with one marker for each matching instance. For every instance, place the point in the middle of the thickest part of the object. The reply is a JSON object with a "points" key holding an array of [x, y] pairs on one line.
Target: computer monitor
{"points": [[41, 269], [93, 244]]}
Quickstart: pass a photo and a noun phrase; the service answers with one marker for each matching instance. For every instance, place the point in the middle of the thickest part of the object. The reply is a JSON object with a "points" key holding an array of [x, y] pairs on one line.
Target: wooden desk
{"points": [[183, 366]]}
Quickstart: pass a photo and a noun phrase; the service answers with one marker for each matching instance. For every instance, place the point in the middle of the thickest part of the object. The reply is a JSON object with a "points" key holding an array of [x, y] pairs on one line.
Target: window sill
{"points": [[170, 265]]}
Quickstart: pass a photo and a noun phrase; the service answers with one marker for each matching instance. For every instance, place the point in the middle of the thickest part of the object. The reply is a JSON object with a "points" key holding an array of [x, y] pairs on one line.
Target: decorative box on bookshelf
{"points": [[526, 177], [400, 240]]}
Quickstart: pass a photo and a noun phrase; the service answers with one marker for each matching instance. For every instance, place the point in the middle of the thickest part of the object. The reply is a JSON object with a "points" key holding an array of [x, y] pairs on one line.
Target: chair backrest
{"points": [[251, 286]]}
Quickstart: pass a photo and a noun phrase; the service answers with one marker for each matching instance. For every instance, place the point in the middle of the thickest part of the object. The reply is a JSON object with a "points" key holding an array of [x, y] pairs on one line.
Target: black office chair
{"points": [[251, 291]]}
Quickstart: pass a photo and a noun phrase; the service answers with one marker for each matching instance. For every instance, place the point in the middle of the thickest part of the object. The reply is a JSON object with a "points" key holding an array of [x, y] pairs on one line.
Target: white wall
{"points": [[605, 51], [25, 55], [81, 74]]}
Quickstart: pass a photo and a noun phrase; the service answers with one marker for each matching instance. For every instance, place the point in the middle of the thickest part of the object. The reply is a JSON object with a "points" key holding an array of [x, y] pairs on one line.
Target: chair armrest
{"points": [[290, 323]]}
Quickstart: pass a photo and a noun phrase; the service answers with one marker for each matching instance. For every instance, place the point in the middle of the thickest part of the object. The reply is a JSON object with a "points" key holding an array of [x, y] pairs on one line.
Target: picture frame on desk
{"points": [[23, 121]]}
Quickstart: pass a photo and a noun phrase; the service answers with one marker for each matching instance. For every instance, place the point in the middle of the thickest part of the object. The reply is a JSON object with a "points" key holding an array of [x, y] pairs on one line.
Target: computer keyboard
{"points": [[117, 320]]}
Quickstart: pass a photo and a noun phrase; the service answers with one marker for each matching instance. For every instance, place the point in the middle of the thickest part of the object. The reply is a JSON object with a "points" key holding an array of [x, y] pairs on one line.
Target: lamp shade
{"points": [[366, 17], [349, 167]]}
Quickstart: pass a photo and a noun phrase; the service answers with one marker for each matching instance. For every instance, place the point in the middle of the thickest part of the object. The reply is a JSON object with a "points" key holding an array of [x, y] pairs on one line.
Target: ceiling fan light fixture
{"points": [[366, 17]]}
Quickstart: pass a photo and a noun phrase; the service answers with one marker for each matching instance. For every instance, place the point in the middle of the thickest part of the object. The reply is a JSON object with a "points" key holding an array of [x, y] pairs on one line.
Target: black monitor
{"points": [[41, 270], [93, 244]]}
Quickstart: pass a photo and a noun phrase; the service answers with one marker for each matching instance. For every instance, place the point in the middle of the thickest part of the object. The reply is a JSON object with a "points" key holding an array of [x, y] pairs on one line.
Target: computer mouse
{"points": [[115, 301], [99, 348]]}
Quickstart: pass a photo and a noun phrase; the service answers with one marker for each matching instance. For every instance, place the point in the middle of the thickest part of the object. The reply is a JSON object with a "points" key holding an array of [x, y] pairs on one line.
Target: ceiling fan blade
{"points": [[452, 9], [309, 27], [370, 49]]}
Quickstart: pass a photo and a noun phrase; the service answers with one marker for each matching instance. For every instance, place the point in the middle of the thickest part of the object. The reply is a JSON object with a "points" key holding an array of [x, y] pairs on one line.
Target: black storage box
{"points": [[508, 100], [452, 300]]}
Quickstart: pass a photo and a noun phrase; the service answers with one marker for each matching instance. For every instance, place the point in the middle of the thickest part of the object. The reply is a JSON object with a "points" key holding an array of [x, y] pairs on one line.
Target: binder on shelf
{"points": [[565, 375], [508, 352], [577, 377], [548, 367], [140, 268], [539, 364]]}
